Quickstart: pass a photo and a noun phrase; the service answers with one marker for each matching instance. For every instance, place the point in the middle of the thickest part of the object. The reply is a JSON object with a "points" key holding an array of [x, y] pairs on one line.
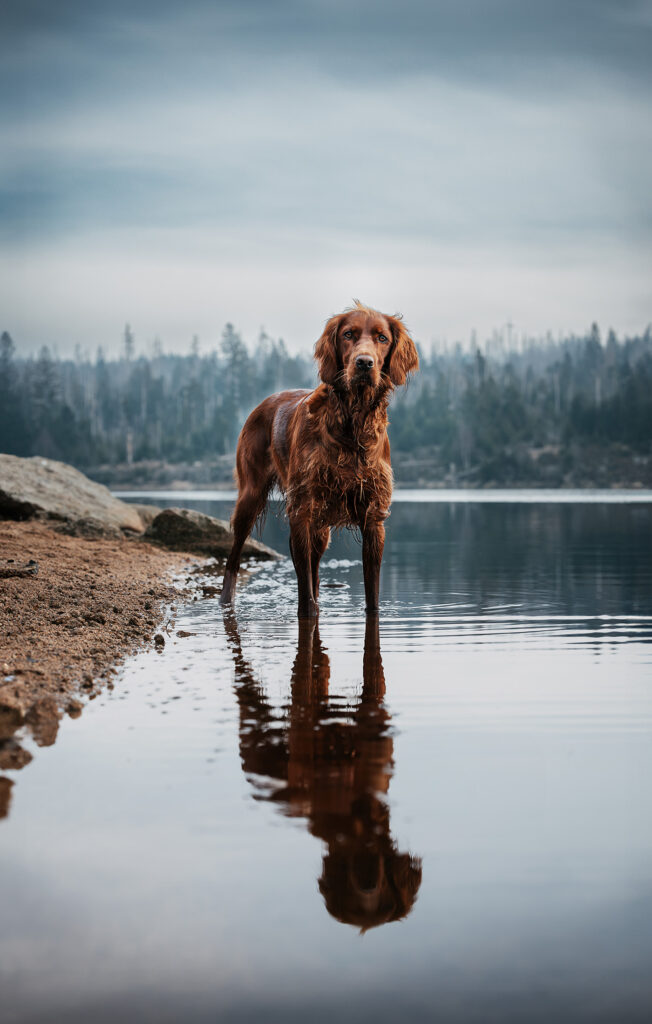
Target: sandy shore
{"points": [[64, 630]]}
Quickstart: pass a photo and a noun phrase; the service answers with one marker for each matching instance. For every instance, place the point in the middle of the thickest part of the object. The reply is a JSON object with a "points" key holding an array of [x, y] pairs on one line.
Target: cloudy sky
{"points": [[466, 162]]}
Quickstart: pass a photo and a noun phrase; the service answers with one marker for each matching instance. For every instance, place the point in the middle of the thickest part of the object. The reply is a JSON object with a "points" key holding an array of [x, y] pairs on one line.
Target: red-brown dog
{"points": [[327, 450]]}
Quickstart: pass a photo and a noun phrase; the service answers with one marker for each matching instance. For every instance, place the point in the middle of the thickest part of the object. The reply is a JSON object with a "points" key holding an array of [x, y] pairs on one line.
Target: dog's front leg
{"points": [[301, 549], [373, 542]]}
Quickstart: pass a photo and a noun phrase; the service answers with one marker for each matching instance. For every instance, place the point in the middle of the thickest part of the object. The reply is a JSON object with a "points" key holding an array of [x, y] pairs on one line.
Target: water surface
{"points": [[446, 817]]}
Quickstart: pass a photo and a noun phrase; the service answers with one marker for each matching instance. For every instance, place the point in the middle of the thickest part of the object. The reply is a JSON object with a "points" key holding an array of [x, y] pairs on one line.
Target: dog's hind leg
{"points": [[249, 506], [256, 476]]}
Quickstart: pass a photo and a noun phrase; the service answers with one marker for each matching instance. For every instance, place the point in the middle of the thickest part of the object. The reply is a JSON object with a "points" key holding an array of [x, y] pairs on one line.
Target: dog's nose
{"points": [[364, 362]]}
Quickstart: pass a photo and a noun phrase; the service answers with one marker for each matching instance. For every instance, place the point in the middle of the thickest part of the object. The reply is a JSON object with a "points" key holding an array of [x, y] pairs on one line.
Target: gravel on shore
{"points": [[65, 626]]}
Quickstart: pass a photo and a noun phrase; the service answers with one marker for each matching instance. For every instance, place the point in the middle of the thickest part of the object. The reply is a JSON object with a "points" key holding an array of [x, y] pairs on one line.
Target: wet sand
{"points": [[64, 630]]}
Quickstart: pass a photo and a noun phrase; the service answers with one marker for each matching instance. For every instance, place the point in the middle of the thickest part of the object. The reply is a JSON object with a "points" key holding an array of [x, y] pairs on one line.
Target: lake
{"points": [[443, 818]]}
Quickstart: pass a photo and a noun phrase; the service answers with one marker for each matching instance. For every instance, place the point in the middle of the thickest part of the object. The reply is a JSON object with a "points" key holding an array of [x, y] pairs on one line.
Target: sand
{"points": [[64, 630]]}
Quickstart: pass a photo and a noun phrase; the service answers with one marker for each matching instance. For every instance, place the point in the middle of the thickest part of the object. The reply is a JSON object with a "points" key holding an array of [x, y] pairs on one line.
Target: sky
{"points": [[468, 163]]}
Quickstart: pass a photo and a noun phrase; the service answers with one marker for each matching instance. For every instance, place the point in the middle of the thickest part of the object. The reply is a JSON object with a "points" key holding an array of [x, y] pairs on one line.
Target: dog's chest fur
{"points": [[344, 479]]}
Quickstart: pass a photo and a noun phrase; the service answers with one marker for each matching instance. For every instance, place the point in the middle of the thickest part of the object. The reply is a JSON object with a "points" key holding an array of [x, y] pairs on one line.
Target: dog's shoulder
{"points": [[285, 404]]}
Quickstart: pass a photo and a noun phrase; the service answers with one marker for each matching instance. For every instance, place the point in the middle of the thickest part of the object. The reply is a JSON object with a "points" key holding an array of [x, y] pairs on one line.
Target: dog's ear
{"points": [[327, 352], [403, 358]]}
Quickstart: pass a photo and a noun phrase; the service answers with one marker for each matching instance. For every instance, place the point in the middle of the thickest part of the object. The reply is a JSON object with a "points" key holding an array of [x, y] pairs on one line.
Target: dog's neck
{"points": [[360, 402], [359, 415]]}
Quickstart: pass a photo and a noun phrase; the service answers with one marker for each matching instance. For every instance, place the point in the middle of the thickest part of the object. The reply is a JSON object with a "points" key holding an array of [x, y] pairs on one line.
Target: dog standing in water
{"points": [[327, 450]]}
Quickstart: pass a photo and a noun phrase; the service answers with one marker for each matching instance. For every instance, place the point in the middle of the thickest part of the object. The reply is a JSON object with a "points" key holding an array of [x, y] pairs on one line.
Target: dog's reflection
{"points": [[331, 763]]}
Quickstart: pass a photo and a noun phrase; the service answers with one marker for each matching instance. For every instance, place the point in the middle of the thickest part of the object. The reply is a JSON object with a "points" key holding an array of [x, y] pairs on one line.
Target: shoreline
{"points": [[527, 495], [65, 630], [229, 486]]}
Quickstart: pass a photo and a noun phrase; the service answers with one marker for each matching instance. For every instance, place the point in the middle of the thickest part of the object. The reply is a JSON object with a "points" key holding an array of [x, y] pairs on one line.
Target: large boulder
{"points": [[147, 513], [183, 529], [55, 491]]}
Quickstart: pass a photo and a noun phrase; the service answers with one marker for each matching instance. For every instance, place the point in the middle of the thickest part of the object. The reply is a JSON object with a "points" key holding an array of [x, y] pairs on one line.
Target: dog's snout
{"points": [[364, 362]]}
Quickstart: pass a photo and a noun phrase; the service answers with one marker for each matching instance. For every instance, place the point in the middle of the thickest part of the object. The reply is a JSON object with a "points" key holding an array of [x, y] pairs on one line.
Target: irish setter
{"points": [[327, 450]]}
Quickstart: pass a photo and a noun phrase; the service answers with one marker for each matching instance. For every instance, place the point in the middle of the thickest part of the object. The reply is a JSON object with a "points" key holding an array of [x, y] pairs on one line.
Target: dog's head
{"points": [[367, 882], [364, 348]]}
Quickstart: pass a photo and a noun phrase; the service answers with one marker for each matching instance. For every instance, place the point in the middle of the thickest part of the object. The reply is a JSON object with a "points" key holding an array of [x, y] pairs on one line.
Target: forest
{"points": [[563, 411]]}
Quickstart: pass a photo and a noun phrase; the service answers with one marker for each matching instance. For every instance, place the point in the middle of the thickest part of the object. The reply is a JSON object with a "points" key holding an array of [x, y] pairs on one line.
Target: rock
{"points": [[74, 708], [89, 528], [10, 698], [9, 568], [10, 720], [55, 491], [159, 640], [97, 618], [147, 513], [12, 711], [13, 757], [43, 719], [182, 529]]}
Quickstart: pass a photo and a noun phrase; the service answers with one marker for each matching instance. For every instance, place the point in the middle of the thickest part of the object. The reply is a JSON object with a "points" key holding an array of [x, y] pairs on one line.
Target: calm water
{"points": [[448, 820]]}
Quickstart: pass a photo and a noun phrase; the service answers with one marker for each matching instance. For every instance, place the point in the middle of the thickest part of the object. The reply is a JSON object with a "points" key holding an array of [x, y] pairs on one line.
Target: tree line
{"points": [[494, 412]]}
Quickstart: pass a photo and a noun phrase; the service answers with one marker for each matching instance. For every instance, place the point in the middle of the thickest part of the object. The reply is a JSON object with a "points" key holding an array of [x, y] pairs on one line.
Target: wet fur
{"points": [[327, 450]]}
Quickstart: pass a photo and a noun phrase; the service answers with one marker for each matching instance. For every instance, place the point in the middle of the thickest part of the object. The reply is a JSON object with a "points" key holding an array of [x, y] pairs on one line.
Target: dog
{"points": [[327, 450]]}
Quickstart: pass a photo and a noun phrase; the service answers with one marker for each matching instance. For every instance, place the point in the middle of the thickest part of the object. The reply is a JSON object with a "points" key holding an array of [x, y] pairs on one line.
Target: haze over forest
{"points": [[549, 411]]}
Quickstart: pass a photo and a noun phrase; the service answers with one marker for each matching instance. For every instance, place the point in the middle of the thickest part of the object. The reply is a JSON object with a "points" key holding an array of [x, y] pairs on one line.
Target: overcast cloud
{"points": [[264, 162]]}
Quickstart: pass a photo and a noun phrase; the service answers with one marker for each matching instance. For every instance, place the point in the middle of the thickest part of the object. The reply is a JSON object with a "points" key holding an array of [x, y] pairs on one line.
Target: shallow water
{"points": [[447, 818]]}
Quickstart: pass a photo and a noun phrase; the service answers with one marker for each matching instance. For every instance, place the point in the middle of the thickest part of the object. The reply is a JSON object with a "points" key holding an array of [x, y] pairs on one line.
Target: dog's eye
{"points": [[348, 334], [383, 338]]}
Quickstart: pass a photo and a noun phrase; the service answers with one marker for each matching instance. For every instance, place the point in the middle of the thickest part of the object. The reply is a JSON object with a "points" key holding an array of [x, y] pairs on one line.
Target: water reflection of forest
{"points": [[330, 762], [579, 558], [576, 559]]}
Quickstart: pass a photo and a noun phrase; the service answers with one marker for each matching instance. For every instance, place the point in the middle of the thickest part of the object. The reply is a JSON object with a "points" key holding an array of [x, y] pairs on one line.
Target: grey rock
{"points": [[54, 491], [182, 529], [86, 527], [147, 513]]}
